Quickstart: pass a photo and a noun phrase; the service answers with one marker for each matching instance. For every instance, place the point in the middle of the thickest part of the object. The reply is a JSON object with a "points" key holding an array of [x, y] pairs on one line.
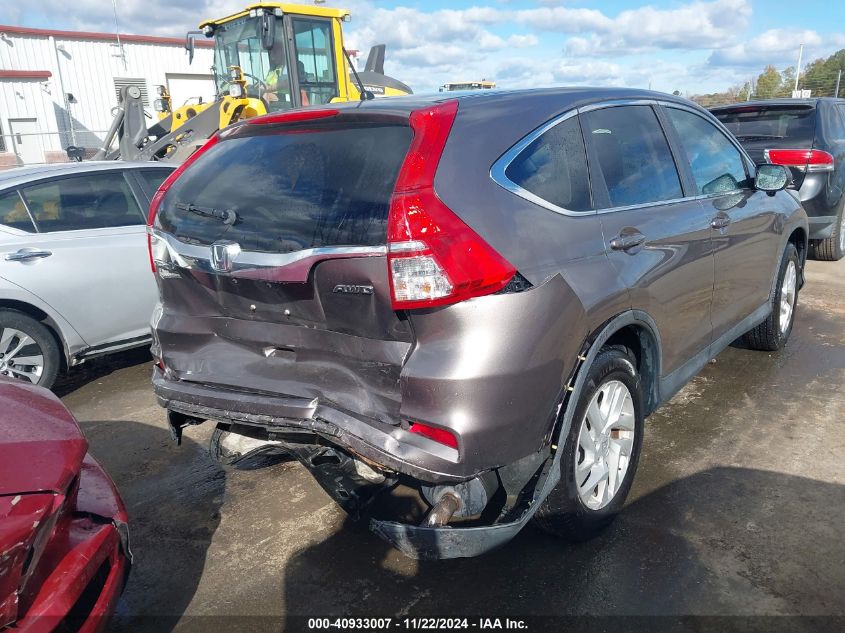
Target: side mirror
{"points": [[189, 44], [771, 178], [268, 30]]}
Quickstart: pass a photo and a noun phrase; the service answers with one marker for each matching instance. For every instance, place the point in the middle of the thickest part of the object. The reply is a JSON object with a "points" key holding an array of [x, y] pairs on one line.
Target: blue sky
{"points": [[689, 45]]}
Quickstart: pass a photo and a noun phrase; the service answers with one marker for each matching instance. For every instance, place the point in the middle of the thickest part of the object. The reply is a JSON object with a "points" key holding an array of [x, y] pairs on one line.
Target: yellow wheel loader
{"points": [[270, 57]]}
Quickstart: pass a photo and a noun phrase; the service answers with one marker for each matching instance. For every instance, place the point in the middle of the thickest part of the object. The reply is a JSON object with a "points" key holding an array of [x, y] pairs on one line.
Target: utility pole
{"points": [[838, 77], [798, 70]]}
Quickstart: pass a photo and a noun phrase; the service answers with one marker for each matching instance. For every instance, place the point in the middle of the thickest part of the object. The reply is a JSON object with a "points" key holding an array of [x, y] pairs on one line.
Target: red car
{"points": [[64, 542]]}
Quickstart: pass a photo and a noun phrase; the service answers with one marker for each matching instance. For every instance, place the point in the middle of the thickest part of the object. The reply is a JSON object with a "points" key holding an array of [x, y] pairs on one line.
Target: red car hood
{"points": [[41, 445]]}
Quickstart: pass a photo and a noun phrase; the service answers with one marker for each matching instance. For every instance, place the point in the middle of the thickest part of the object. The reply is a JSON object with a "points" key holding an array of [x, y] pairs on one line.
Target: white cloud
{"points": [[776, 46]]}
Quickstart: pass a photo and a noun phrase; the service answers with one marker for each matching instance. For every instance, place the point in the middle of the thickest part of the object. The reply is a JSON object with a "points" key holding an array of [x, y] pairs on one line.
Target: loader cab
{"points": [[287, 58]]}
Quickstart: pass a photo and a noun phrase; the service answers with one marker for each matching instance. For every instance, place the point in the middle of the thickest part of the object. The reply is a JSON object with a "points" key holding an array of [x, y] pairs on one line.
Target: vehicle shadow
{"points": [[722, 542], [81, 375], [173, 495]]}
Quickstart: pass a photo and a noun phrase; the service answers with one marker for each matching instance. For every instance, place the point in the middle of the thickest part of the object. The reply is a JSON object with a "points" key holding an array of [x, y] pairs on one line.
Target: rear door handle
{"points": [[627, 241], [720, 222], [27, 254]]}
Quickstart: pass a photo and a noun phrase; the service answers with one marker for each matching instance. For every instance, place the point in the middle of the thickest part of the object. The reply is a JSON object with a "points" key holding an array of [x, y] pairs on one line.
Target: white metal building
{"points": [[57, 88]]}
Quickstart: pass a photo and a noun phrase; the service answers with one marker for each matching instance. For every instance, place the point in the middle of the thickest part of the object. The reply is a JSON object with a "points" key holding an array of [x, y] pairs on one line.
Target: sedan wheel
{"points": [[20, 356], [28, 350], [605, 444]]}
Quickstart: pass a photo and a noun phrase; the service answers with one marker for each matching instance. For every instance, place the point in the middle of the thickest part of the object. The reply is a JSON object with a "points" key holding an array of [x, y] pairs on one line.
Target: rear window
{"points": [[291, 190], [782, 123]]}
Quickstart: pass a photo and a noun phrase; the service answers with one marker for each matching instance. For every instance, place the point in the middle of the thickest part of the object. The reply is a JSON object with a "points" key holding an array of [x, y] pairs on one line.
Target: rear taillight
{"points": [[441, 436], [434, 258], [803, 159], [165, 186]]}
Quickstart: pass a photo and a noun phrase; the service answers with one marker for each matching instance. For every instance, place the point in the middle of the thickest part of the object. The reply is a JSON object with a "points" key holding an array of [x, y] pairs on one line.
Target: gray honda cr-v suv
{"points": [[457, 312]]}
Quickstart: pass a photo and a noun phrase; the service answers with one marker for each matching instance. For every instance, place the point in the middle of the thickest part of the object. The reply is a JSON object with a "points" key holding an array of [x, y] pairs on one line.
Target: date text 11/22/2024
{"points": [[418, 623]]}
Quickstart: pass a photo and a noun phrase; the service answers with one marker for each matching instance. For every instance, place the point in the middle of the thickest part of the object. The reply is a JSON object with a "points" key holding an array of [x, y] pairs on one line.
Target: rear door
{"points": [[272, 265], [743, 221], [87, 259], [657, 237]]}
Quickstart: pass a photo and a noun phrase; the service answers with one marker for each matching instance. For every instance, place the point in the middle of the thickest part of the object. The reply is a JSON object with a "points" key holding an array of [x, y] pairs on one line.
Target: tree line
{"points": [[819, 77]]}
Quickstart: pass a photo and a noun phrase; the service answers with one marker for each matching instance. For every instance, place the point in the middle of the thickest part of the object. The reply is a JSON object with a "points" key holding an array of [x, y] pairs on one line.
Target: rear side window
{"points": [[291, 190], [92, 201], [717, 166], [151, 179], [633, 155], [835, 124], [13, 212], [796, 125], [554, 167]]}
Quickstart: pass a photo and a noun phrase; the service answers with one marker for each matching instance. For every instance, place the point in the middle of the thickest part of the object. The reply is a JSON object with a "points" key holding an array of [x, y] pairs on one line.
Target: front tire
{"points": [[773, 333], [28, 350], [601, 452]]}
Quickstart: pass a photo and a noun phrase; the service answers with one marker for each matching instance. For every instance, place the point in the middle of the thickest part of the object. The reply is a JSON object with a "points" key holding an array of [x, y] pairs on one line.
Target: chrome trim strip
{"points": [[280, 267], [615, 103], [497, 171]]}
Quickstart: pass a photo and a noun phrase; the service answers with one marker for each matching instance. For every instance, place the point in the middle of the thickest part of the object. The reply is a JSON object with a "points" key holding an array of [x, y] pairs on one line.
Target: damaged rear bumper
{"points": [[386, 445]]}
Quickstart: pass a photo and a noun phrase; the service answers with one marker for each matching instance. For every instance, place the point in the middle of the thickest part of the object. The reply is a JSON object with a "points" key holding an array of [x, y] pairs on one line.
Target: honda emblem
{"points": [[223, 255]]}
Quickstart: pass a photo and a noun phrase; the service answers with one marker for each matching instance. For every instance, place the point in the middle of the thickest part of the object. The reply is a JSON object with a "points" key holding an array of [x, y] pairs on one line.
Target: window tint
{"points": [[91, 201], [554, 167], [766, 123], [633, 155], [152, 179], [291, 191], [13, 212], [716, 164]]}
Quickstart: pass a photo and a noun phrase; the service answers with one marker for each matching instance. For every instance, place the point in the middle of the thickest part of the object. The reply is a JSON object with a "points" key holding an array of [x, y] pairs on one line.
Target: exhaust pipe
{"points": [[443, 510]]}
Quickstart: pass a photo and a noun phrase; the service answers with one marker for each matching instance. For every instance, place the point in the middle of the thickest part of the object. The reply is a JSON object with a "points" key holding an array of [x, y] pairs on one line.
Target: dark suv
{"points": [[457, 312], [808, 136]]}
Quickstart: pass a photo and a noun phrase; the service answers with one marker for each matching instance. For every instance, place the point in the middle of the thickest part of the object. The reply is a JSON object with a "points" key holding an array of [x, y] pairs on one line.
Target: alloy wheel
{"points": [[605, 444], [20, 356], [787, 295]]}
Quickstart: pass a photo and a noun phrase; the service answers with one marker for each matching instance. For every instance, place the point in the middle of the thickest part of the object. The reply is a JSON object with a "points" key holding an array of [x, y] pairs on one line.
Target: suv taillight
{"points": [[802, 159], [165, 186], [434, 258]]}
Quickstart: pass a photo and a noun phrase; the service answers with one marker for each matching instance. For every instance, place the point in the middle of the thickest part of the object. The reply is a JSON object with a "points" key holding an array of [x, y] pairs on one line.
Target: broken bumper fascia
{"points": [[435, 543]]}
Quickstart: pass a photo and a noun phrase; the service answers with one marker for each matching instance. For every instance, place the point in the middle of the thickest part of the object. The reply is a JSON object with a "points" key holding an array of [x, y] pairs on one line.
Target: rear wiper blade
{"points": [[228, 216], [757, 137]]}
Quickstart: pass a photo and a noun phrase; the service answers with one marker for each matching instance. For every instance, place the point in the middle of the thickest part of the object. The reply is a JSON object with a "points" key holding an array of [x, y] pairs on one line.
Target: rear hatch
{"points": [[777, 126], [272, 262]]}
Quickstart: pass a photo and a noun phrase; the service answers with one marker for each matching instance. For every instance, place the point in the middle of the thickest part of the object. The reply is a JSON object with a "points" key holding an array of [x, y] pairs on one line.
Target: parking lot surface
{"points": [[738, 508]]}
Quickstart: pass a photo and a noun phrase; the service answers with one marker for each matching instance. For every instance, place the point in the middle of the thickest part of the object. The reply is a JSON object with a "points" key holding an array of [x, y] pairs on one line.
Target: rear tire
{"points": [[773, 333], [575, 510], [28, 350], [831, 249]]}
